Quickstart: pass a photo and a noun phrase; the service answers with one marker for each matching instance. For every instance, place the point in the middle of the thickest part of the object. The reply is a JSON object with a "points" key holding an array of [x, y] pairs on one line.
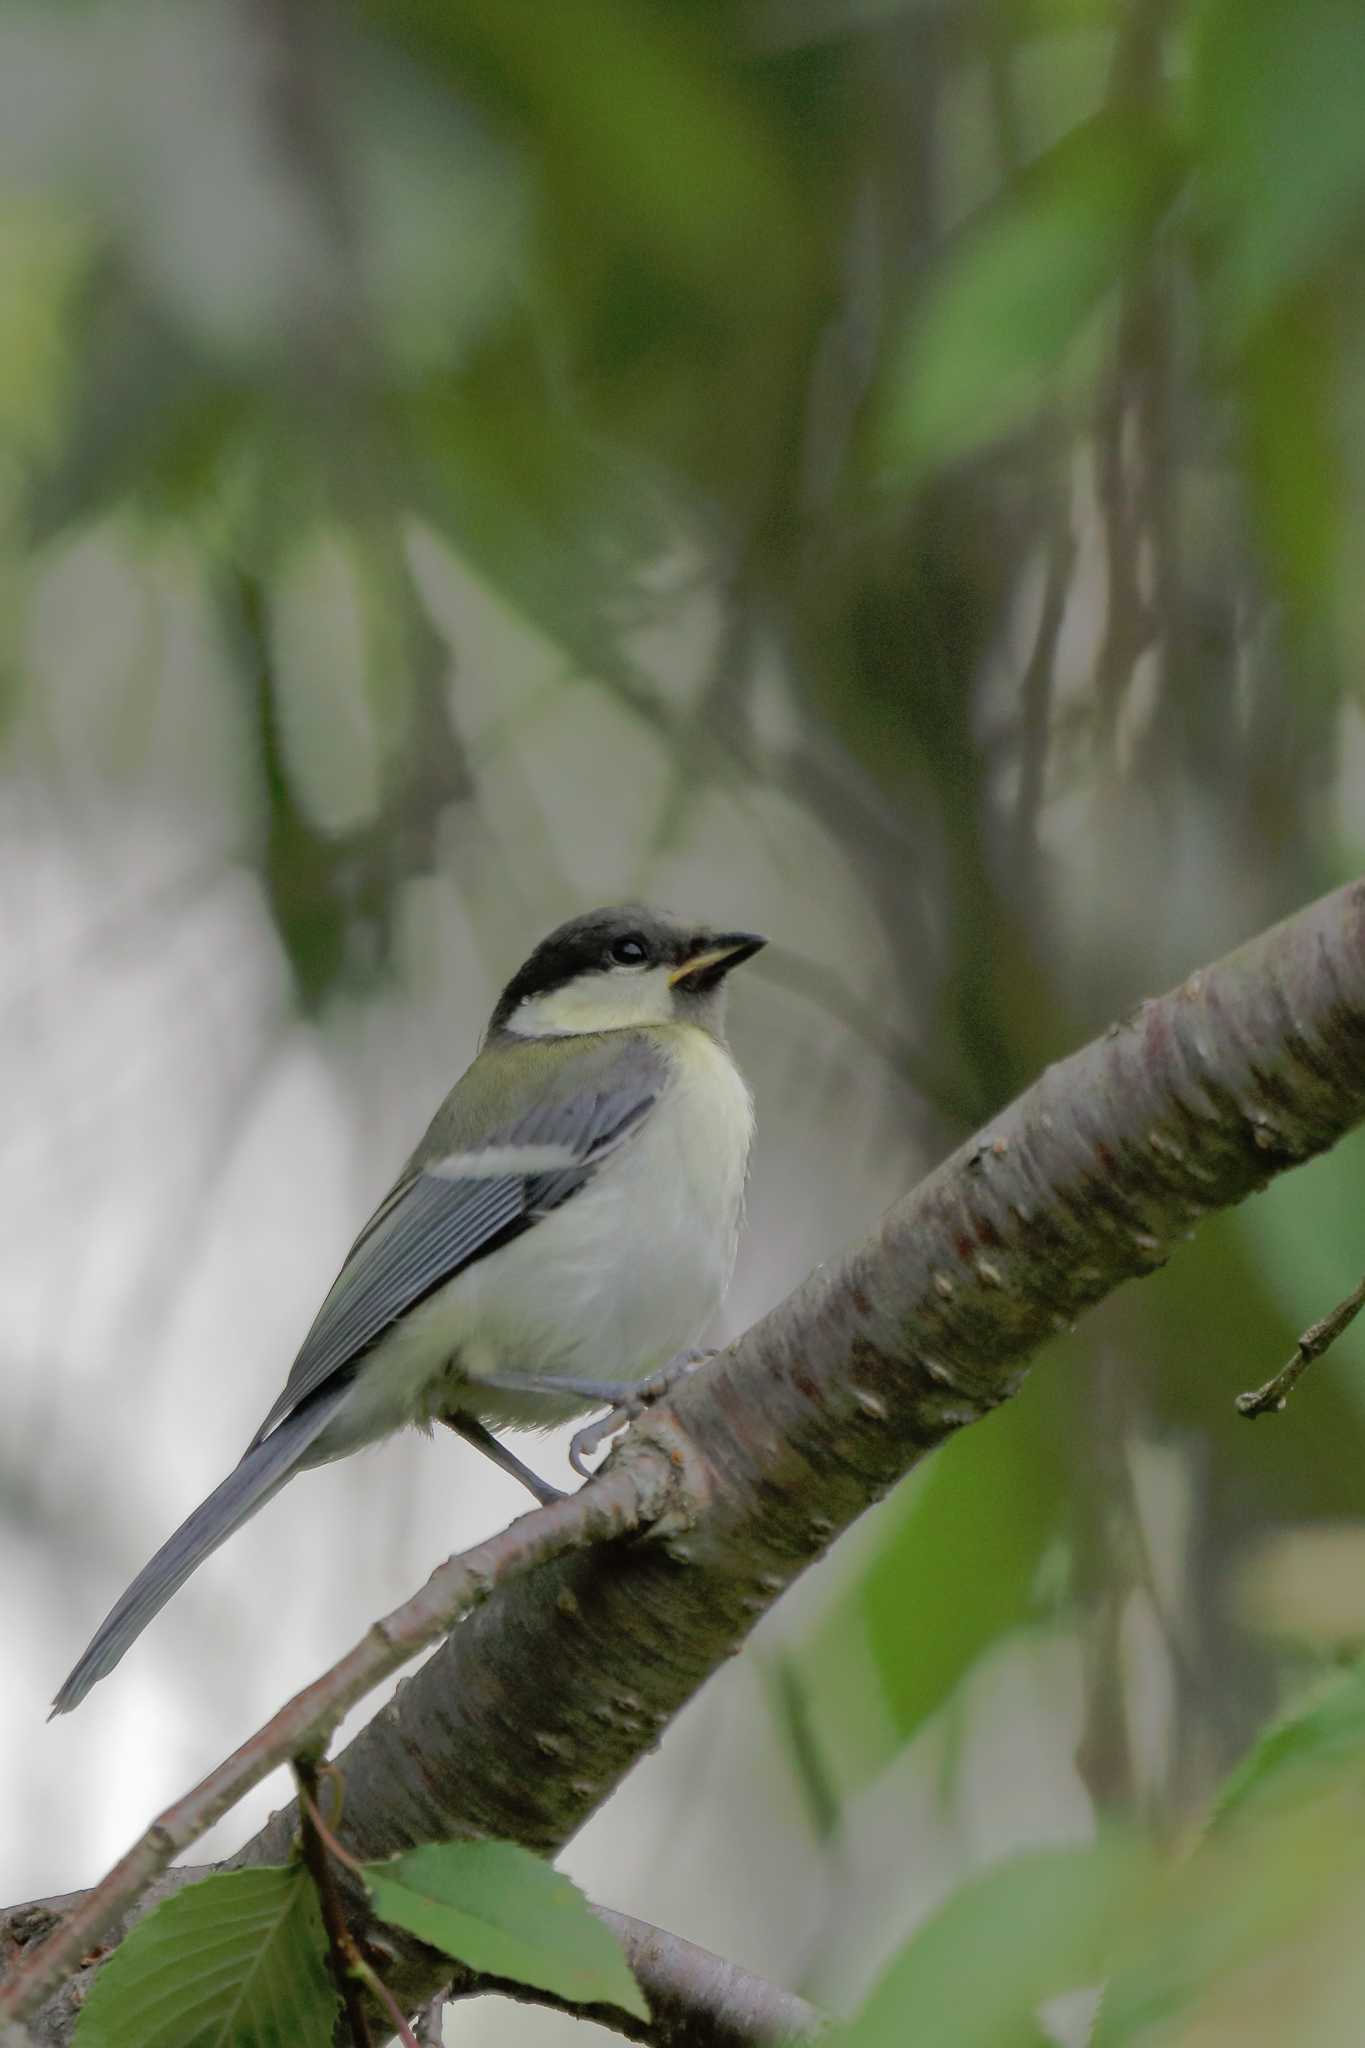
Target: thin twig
{"points": [[630, 1497], [329, 1840], [1317, 1338], [343, 1955], [350, 1966], [382, 1995]]}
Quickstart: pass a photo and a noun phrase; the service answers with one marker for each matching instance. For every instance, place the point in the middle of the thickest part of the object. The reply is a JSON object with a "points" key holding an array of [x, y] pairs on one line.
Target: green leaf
{"points": [[235, 1961], [638, 112], [1276, 107], [1282, 1854], [1018, 1934], [501, 1910], [1290, 393], [328, 681], [962, 1567], [1278, 1883], [959, 1565], [1301, 1753], [44, 259], [556, 523], [1017, 287]]}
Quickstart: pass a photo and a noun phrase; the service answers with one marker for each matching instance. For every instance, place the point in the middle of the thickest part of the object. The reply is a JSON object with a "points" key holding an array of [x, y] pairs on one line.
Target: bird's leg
{"points": [[484, 1440], [623, 1397]]}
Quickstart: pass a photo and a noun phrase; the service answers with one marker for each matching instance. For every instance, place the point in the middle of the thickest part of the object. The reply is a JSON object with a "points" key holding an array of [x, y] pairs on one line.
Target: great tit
{"points": [[566, 1228]]}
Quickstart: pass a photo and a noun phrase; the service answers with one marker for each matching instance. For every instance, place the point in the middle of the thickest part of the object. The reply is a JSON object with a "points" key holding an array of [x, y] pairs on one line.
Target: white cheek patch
{"points": [[596, 1002], [496, 1162]]}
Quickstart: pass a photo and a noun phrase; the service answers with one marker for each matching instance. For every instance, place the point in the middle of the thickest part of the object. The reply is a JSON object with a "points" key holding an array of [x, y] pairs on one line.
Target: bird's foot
{"points": [[630, 1403]]}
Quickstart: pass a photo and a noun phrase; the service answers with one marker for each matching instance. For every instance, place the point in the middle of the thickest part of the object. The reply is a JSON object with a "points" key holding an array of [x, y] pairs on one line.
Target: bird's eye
{"points": [[630, 950]]}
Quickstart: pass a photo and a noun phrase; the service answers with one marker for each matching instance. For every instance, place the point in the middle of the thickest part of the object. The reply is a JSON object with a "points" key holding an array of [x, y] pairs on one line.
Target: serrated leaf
{"points": [[235, 1961], [500, 1910], [1007, 1940]]}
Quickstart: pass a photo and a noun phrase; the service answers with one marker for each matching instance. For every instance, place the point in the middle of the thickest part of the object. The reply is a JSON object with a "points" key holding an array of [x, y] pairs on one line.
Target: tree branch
{"points": [[1185, 1107], [696, 1999]]}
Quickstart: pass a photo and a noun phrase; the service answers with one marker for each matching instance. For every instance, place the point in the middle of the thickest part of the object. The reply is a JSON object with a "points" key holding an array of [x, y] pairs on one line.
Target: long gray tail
{"points": [[261, 1474]]}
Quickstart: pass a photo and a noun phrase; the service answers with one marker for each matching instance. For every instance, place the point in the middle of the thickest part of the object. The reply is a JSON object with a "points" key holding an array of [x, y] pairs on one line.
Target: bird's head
{"points": [[626, 965]]}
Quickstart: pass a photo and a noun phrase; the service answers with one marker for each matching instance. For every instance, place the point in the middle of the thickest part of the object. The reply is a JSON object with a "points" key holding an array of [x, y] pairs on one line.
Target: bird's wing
{"points": [[475, 1183]]}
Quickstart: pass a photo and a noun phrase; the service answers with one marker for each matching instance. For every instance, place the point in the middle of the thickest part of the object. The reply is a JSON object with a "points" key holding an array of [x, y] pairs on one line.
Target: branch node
{"points": [[674, 1488]]}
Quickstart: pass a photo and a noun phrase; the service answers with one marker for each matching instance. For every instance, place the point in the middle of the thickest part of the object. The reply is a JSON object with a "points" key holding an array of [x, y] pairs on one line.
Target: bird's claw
{"points": [[586, 1441], [650, 1391]]}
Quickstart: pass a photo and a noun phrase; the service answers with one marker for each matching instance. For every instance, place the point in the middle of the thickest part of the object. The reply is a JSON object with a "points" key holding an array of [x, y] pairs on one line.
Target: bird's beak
{"points": [[713, 959]]}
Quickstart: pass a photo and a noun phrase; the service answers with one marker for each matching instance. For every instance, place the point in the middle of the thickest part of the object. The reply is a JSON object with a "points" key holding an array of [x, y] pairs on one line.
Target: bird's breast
{"points": [[631, 1269]]}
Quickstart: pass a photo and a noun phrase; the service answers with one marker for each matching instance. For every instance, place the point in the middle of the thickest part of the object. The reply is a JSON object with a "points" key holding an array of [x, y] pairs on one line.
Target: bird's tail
{"points": [[261, 1474]]}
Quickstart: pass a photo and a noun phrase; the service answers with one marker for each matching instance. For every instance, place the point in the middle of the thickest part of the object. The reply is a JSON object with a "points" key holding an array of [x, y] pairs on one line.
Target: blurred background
{"points": [[890, 473]]}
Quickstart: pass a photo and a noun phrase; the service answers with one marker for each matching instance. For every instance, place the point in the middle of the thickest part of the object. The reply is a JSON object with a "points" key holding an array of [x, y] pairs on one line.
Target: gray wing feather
{"points": [[436, 1227], [432, 1226], [261, 1473]]}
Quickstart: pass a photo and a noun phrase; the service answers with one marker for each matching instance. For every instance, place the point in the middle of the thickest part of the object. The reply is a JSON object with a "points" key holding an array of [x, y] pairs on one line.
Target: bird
{"points": [[558, 1240]]}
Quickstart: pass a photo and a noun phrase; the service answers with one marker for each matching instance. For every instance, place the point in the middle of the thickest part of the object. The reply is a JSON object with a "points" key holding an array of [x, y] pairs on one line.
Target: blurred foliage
{"points": [[990, 1507], [1007, 1942], [986, 342], [1246, 1936], [993, 370], [1253, 1935]]}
